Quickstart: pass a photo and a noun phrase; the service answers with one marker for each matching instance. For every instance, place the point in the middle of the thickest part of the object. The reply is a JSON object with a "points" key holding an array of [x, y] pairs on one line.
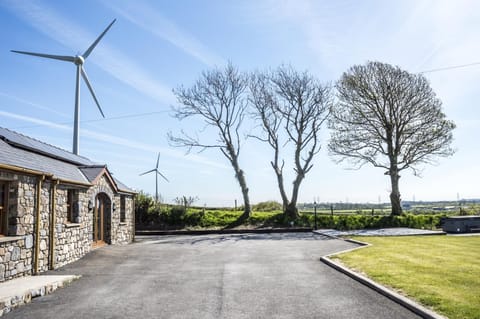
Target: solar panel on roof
{"points": [[31, 144]]}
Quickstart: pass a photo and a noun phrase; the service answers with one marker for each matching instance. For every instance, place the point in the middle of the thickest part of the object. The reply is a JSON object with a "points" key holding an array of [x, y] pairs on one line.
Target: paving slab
{"points": [[19, 291]]}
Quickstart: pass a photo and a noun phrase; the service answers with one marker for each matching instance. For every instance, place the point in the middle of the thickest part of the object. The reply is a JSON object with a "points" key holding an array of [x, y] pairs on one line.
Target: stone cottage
{"points": [[56, 206]]}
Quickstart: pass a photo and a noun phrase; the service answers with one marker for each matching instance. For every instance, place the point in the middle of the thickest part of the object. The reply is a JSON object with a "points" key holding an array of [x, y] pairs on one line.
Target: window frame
{"points": [[72, 203], [4, 208], [123, 212]]}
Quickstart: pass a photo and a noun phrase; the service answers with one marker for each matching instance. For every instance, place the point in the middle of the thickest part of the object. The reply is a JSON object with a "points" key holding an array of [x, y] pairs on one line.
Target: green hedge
{"points": [[177, 218], [350, 222]]}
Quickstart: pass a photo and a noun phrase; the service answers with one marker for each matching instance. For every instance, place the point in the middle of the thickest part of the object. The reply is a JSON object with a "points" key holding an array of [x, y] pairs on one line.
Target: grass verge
{"points": [[441, 272]]}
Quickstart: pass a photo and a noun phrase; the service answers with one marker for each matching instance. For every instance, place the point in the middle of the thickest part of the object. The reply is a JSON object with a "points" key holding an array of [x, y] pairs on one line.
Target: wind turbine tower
{"points": [[78, 60], [157, 172]]}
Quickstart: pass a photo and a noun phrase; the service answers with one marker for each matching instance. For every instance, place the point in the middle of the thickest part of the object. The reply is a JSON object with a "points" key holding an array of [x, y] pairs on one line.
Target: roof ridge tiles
{"points": [[93, 166]]}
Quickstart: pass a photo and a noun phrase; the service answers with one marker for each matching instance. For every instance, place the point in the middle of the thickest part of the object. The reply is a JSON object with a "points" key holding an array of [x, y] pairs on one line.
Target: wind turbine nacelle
{"points": [[79, 60]]}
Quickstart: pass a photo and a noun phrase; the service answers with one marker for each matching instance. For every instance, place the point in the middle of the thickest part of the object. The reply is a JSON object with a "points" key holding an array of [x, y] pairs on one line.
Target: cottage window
{"points": [[122, 208], [3, 208], [72, 209]]}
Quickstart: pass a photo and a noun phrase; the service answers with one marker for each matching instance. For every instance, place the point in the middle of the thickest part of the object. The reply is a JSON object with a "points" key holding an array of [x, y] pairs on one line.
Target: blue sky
{"points": [[156, 46]]}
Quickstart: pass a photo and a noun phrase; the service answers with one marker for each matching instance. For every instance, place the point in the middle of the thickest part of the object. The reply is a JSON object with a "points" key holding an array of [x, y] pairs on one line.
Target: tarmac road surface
{"points": [[214, 276]]}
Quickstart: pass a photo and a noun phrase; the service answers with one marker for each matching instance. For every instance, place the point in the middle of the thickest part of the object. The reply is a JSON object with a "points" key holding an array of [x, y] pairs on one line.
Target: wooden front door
{"points": [[99, 220]]}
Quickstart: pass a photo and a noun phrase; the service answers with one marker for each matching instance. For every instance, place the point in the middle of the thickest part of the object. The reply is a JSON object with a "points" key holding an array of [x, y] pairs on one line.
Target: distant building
{"points": [[56, 206]]}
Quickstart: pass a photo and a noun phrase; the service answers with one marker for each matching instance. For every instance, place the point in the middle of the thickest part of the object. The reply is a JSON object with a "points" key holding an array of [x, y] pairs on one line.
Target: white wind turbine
{"points": [[157, 172], [78, 60]]}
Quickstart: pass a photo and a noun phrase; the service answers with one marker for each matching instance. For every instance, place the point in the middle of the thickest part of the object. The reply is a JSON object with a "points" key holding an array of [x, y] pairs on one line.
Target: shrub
{"points": [[143, 203], [218, 219], [268, 206]]}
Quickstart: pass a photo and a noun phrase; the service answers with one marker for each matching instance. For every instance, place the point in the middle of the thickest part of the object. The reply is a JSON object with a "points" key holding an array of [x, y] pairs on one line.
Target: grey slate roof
{"points": [[21, 158], [123, 187], [25, 152], [92, 172]]}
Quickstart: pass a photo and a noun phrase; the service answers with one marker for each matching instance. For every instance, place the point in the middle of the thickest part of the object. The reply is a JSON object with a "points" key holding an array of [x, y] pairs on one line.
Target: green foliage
{"points": [[218, 219], [143, 205], [151, 215], [469, 210], [268, 206], [350, 222]]}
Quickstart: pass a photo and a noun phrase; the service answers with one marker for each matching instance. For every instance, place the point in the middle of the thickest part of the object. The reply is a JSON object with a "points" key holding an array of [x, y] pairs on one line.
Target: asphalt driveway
{"points": [[215, 276]]}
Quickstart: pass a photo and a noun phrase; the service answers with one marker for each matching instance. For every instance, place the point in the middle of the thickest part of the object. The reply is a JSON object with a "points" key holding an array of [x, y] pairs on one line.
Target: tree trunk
{"points": [[283, 194], [243, 186], [246, 199], [291, 211], [395, 194]]}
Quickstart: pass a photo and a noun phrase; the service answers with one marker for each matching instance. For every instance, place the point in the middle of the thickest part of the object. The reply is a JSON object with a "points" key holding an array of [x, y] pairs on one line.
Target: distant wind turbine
{"points": [[156, 177], [78, 60]]}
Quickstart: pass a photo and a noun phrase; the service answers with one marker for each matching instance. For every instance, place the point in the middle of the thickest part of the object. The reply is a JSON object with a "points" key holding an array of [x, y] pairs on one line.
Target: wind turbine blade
{"points": [[152, 170], [162, 176], [94, 44], [49, 56], [158, 160], [85, 77]]}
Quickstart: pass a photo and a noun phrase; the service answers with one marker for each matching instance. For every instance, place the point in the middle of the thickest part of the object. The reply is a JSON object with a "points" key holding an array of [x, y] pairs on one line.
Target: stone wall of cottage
{"points": [[122, 231], [22, 205], [16, 249], [15, 257], [72, 240]]}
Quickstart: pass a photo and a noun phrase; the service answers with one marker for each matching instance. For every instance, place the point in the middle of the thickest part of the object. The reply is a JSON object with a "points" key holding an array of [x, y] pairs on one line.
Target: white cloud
{"points": [[35, 105], [34, 120], [148, 18]]}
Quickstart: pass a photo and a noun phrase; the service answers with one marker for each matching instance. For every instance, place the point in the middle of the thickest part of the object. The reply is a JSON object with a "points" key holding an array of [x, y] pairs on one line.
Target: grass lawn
{"points": [[441, 272]]}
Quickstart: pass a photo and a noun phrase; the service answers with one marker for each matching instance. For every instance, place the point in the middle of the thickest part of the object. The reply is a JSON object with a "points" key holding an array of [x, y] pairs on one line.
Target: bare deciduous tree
{"points": [[218, 97], [389, 118], [295, 105], [185, 201], [266, 104]]}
